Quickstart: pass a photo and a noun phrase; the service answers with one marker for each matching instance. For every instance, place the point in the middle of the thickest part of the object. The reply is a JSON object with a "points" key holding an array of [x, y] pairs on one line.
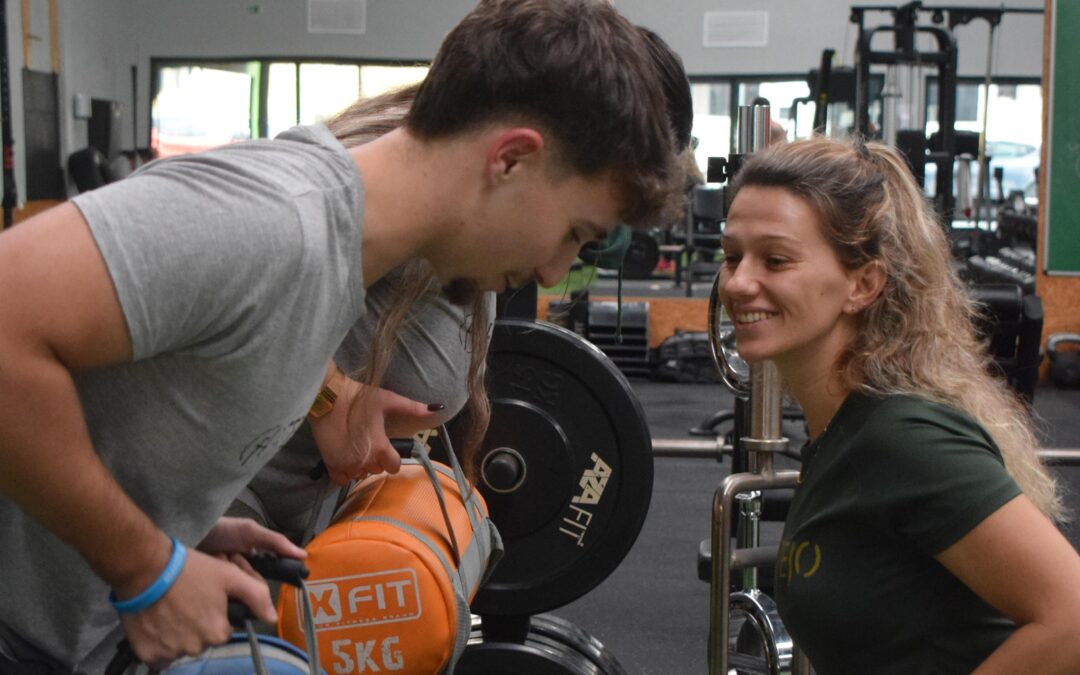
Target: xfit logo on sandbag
{"points": [[365, 599]]}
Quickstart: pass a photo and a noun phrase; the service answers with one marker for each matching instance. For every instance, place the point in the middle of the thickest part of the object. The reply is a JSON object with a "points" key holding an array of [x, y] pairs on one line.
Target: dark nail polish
{"points": [[435, 407]]}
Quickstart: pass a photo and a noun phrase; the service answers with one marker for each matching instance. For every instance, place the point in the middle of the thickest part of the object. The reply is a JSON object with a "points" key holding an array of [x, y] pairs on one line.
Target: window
{"points": [[717, 101], [1013, 131], [712, 121], [199, 105], [782, 97]]}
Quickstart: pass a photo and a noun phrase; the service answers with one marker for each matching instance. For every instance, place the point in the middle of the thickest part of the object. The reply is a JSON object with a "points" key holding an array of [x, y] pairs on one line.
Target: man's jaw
{"points": [[461, 291]]}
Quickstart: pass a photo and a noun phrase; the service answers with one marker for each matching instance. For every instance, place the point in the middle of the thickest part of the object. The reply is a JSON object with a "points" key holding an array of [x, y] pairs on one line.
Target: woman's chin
{"points": [[752, 354]]}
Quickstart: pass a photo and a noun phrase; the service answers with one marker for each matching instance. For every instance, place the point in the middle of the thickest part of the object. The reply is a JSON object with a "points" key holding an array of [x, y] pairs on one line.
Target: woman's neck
{"points": [[818, 386], [819, 400]]}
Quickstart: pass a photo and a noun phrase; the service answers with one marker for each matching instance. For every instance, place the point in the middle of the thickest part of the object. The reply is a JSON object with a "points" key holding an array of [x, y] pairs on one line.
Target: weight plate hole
{"points": [[503, 470]]}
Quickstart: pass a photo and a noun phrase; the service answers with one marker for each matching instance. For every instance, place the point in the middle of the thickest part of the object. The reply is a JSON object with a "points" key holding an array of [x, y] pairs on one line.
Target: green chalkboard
{"points": [[1062, 201]]}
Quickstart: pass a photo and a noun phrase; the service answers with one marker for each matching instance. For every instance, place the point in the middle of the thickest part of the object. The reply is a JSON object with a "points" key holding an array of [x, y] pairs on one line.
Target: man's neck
{"points": [[412, 199]]}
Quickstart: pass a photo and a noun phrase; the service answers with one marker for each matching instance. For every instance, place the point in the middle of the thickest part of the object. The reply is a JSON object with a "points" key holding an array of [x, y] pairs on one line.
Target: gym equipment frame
{"points": [[905, 28], [776, 653]]}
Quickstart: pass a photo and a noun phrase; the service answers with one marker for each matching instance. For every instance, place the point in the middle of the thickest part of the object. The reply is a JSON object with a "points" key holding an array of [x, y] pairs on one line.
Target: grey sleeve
{"points": [[185, 252], [430, 363]]}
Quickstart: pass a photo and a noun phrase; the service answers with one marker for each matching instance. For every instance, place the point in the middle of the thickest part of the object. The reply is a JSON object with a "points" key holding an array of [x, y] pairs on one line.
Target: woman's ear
{"points": [[508, 149], [868, 282]]}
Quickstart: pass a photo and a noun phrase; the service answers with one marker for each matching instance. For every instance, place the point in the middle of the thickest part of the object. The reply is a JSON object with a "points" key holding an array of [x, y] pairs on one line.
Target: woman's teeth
{"points": [[752, 317]]}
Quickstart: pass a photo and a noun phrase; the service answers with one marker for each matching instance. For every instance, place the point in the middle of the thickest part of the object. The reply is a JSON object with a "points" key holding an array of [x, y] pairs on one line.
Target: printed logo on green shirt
{"points": [[798, 559]]}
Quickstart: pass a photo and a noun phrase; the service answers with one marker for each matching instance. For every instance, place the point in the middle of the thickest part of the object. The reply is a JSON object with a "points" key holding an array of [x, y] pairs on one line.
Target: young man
{"points": [[161, 337]]}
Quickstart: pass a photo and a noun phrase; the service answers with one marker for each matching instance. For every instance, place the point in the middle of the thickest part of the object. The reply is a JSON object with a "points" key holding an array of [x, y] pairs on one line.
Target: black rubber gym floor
{"points": [[652, 612]]}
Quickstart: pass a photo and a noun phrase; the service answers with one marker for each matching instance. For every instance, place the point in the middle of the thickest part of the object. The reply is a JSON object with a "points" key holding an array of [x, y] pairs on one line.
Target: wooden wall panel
{"points": [[33, 208], [666, 315]]}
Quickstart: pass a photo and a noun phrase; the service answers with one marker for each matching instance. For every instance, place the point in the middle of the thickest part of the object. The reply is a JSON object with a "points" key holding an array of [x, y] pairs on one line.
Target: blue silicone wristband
{"points": [[157, 589]]}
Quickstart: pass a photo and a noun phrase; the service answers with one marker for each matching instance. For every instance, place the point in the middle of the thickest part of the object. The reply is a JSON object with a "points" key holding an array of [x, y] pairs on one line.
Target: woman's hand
{"points": [[386, 415], [245, 536]]}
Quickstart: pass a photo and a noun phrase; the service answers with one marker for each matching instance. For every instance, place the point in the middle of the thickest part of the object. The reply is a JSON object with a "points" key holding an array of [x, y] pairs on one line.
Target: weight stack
{"points": [[685, 357], [630, 354], [991, 269]]}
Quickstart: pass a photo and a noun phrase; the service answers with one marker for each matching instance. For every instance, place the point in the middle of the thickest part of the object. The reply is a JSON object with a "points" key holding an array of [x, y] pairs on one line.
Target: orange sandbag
{"points": [[388, 590]]}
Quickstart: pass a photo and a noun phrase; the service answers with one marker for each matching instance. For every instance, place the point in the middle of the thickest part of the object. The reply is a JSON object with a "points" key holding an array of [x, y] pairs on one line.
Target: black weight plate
{"points": [[577, 639], [531, 658], [548, 629], [641, 257], [571, 415]]}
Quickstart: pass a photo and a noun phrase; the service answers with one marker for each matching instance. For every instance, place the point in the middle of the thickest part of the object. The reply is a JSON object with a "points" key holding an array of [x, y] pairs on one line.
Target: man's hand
{"points": [[191, 616], [362, 449]]}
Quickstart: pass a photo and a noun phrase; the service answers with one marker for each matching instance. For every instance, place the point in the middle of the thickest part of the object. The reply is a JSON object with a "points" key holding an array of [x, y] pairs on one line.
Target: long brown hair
{"points": [[414, 285], [918, 337]]}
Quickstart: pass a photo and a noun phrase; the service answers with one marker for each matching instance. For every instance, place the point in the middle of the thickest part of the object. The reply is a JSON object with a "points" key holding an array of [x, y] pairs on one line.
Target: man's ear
{"points": [[869, 280], [509, 149]]}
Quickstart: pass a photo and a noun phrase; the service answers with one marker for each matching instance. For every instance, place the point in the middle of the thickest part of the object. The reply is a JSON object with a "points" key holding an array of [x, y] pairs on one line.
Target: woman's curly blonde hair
{"points": [[918, 337]]}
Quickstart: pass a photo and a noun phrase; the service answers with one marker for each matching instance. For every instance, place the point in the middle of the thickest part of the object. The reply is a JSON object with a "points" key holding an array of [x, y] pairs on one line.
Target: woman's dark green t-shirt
{"points": [[890, 483]]}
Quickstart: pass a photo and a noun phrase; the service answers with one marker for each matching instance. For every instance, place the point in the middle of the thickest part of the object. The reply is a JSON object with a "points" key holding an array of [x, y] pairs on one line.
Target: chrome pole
{"points": [[765, 438]]}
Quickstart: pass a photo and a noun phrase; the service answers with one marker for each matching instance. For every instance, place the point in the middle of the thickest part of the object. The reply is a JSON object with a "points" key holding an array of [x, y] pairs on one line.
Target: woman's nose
{"points": [[739, 281]]}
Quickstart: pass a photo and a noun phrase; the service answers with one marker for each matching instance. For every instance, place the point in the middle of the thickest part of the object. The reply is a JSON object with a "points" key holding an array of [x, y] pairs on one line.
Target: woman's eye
{"points": [[776, 261], [731, 259]]}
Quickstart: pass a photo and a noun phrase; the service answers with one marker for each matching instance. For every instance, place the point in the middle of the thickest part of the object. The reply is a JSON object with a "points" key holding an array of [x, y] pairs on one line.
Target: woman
{"points": [[920, 538]]}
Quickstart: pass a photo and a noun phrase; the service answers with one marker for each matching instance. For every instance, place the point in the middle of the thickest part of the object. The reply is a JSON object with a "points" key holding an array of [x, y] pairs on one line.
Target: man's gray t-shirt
{"points": [[238, 273]]}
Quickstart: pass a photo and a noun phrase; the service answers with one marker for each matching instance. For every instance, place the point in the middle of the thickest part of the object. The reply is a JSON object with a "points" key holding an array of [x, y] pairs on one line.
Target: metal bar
{"points": [[705, 449], [715, 449], [761, 127], [748, 535], [984, 173], [745, 134], [758, 556], [766, 398], [824, 81], [1059, 456], [720, 584], [952, 8]]}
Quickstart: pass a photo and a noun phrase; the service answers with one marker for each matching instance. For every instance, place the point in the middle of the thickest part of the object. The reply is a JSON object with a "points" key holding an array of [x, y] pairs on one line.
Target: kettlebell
{"points": [[1064, 365]]}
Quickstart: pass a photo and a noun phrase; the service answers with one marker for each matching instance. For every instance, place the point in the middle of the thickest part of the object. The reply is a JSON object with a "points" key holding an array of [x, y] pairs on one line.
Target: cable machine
{"points": [[941, 149]]}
